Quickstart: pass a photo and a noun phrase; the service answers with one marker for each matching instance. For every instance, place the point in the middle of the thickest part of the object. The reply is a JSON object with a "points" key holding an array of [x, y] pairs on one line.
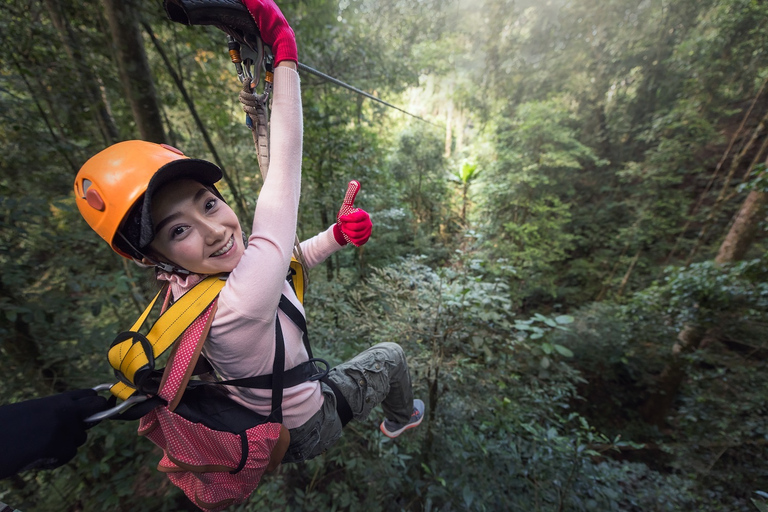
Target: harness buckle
{"points": [[320, 374]]}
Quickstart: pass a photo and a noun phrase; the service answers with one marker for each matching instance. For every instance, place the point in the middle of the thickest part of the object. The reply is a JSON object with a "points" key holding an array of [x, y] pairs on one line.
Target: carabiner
{"points": [[248, 61], [133, 400]]}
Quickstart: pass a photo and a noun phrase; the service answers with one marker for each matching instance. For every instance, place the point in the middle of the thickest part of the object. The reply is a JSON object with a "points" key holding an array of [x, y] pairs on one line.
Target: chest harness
{"points": [[134, 355]]}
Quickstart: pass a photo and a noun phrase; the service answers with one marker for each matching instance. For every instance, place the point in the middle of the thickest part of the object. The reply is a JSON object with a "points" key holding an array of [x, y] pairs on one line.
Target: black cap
{"points": [[138, 230]]}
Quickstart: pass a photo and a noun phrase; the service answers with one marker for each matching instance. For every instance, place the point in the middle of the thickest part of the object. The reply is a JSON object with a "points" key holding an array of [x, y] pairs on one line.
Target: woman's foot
{"points": [[392, 429]]}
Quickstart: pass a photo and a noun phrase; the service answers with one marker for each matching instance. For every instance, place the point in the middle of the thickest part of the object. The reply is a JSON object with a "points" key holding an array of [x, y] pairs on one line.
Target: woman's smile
{"points": [[230, 244]]}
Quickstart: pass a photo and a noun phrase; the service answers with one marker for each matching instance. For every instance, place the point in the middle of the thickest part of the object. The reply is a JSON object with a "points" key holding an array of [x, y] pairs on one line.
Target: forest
{"points": [[569, 242]]}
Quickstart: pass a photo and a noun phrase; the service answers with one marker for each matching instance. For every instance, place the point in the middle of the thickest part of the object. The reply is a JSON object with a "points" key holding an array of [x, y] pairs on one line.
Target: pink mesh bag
{"points": [[214, 449]]}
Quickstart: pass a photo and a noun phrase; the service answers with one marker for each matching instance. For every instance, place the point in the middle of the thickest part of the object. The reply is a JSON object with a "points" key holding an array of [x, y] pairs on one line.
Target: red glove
{"points": [[275, 31], [352, 224]]}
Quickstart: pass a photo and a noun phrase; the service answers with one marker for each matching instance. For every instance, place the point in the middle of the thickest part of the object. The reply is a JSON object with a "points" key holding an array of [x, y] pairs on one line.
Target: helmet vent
{"points": [[171, 148], [86, 185]]}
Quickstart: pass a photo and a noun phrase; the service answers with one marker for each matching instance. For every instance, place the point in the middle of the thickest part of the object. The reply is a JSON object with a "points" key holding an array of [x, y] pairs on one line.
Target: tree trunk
{"points": [[656, 408], [625, 279], [240, 204], [90, 85], [756, 134], [134, 68], [736, 244], [449, 131], [736, 136], [742, 233], [460, 121]]}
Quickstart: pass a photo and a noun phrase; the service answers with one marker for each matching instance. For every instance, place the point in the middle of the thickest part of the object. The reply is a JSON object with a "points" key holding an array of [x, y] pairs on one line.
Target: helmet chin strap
{"points": [[167, 267]]}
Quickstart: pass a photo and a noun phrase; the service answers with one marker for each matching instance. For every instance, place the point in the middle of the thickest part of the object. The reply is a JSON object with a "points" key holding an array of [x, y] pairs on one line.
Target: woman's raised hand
{"points": [[275, 30]]}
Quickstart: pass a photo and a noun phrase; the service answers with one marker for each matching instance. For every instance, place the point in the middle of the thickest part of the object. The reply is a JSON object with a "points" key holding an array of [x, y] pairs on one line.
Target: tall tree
{"points": [[89, 80], [745, 226], [135, 74]]}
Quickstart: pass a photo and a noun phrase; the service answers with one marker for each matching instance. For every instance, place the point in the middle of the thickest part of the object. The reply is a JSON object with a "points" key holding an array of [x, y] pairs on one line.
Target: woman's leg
{"points": [[378, 375], [318, 434]]}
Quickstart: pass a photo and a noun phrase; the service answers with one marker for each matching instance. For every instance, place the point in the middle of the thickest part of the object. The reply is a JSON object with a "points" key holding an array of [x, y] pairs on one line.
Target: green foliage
{"points": [[597, 126], [758, 180], [716, 429], [467, 173], [708, 293], [529, 191]]}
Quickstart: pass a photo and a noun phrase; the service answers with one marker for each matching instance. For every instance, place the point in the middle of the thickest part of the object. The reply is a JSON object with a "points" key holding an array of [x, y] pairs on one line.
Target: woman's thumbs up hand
{"points": [[353, 225]]}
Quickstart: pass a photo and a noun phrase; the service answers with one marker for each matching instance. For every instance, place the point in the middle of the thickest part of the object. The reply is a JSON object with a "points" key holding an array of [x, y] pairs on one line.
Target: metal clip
{"points": [[133, 400], [252, 63], [248, 61]]}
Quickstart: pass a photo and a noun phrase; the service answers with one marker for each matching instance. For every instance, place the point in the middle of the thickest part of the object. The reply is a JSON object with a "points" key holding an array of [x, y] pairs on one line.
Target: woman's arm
{"points": [[254, 286]]}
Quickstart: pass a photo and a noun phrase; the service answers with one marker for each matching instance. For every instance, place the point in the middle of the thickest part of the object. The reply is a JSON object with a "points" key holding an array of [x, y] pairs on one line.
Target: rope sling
{"points": [[248, 63]]}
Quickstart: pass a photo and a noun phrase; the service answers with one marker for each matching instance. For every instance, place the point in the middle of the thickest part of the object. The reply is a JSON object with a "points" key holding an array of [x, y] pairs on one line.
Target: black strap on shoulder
{"points": [[292, 312]]}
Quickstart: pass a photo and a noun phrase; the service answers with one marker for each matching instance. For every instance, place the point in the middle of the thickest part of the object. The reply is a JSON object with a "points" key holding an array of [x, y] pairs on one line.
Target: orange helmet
{"points": [[117, 184]]}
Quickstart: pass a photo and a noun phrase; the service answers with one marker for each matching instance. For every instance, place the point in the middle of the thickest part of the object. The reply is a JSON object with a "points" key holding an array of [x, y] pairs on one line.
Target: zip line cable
{"points": [[249, 58], [338, 82]]}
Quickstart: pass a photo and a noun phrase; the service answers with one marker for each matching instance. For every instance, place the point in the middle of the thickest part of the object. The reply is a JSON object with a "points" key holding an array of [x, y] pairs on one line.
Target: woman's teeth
{"points": [[226, 247]]}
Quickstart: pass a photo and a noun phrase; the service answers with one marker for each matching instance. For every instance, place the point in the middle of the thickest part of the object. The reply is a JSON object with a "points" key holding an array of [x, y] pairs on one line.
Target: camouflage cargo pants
{"points": [[375, 376]]}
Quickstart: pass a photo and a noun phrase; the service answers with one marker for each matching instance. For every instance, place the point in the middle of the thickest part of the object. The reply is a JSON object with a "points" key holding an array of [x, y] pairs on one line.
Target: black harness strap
{"points": [[292, 312], [299, 374], [304, 372], [342, 406], [278, 371]]}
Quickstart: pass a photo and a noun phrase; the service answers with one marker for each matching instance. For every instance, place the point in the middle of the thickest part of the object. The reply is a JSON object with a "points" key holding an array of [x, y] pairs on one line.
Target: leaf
{"points": [[547, 348], [545, 362], [564, 351], [564, 319], [468, 496]]}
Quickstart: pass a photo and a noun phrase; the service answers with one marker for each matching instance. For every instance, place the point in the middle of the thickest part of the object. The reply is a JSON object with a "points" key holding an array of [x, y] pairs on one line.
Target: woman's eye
{"points": [[178, 231], [210, 204]]}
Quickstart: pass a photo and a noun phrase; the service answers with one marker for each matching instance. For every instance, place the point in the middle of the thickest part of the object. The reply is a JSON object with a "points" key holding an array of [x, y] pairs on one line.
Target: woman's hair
{"points": [[128, 235]]}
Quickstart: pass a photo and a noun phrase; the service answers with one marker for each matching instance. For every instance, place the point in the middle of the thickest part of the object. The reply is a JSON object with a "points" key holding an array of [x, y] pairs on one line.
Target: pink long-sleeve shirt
{"points": [[241, 342]]}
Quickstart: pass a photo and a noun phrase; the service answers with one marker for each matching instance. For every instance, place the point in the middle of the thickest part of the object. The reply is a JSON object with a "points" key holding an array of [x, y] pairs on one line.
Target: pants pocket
{"points": [[371, 376], [300, 449]]}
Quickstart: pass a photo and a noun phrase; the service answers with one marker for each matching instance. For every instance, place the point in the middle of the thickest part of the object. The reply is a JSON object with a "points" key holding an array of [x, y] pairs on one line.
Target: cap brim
{"points": [[190, 168]]}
